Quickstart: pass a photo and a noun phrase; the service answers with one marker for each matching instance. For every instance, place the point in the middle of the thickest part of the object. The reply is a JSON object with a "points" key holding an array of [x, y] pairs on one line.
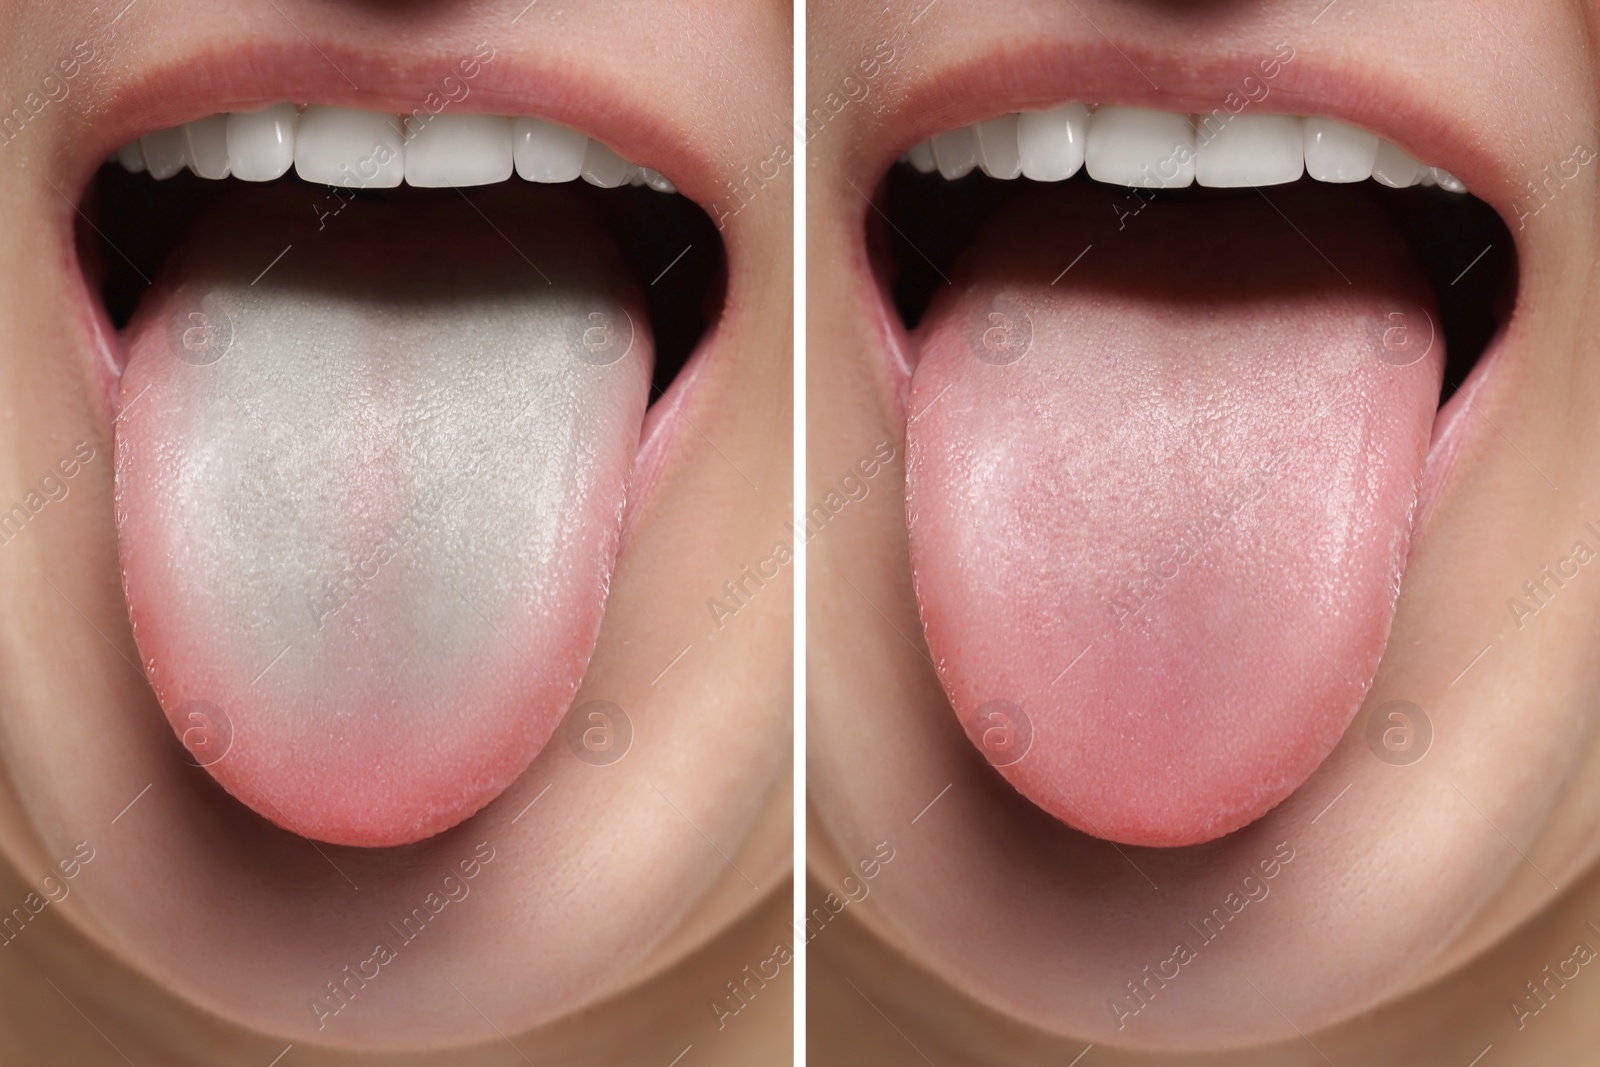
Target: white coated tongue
{"points": [[369, 496]]}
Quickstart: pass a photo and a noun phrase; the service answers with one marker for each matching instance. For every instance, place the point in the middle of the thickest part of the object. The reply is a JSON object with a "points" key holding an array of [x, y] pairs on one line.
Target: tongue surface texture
{"points": [[369, 496], [1159, 505]]}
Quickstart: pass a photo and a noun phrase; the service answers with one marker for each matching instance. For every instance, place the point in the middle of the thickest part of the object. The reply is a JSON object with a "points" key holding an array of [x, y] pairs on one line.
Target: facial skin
{"points": [[997, 927], [653, 865]]}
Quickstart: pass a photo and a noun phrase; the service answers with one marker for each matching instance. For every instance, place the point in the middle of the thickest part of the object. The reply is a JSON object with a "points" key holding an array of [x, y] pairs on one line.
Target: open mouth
{"points": [[377, 433], [360, 419], [1177, 389]]}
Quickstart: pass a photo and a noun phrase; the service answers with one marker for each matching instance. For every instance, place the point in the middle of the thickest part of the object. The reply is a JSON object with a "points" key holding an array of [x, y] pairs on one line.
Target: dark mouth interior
{"points": [[140, 220], [927, 221]]}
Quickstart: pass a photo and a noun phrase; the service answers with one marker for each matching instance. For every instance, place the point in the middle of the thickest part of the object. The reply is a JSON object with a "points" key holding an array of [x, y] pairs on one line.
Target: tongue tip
{"points": [[1156, 811], [1154, 775], [358, 774], [357, 833], [1151, 819], [361, 811]]}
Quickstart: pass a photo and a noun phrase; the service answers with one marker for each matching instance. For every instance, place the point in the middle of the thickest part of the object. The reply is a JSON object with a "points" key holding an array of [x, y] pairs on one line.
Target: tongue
{"points": [[368, 501], [1159, 505]]}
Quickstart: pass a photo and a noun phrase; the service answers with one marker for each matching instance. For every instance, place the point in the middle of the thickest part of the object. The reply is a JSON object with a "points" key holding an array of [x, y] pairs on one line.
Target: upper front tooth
{"points": [[997, 147], [545, 152], [261, 143], [1249, 150], [445, 150], [956, 152], [1337, 151], [165, 151], [207, 143], [1050, 143], [603, 167], [1394, 168], [353, 149], [1138, 147]]}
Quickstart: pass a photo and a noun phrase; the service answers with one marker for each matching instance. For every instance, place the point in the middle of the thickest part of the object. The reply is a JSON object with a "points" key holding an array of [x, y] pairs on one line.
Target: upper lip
{"points": [[1026, 77]]}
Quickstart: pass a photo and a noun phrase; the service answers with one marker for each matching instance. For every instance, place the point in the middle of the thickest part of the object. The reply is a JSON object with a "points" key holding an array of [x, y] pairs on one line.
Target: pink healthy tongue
{"points": [[1159, 507], [368, 501]]}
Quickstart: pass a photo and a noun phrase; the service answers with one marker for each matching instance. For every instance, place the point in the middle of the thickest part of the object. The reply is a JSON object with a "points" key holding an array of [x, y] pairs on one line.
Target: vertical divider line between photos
{"points": [[798, 363]]}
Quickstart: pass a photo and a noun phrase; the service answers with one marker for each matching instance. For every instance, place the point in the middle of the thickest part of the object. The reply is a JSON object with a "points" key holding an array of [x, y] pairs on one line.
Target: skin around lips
{"points": [[368, 501], [1159, 507]]}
